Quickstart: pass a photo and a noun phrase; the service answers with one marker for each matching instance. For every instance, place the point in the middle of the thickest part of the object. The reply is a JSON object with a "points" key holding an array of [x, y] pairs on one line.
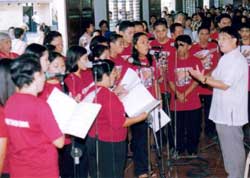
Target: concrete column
{"points": [[136, 9]]}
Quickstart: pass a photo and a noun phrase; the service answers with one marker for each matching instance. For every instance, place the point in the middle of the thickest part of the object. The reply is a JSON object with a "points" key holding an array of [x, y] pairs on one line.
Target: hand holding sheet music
{"points": [[73, 118]]}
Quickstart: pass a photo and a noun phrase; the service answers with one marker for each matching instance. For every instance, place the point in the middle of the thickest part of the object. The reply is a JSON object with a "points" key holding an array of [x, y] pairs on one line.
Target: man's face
{"points": [[5, 45], [226, 42], [245, 33], [128, 34], [225, 22]]}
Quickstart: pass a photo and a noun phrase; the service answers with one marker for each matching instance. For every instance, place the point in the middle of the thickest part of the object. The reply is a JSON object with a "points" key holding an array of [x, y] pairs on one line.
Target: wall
{"points": [[10, 15]]}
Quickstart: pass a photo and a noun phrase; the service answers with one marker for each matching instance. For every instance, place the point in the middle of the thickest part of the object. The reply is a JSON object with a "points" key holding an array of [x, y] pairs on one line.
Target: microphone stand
{"points": [[76, 152], [158, 148], [96, 134]]}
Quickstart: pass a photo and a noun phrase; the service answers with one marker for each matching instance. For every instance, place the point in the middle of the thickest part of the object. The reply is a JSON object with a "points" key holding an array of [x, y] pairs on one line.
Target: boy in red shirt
{"points": [[184, 97]]}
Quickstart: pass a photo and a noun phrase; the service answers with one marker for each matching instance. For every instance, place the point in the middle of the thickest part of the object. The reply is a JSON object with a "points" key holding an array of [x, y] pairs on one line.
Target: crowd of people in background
{"points": [[179, 58]]}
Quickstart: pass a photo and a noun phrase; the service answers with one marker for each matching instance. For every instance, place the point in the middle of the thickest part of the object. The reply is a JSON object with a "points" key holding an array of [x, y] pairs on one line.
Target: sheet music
{"points": [[73, 118], [155, 119], [138, 99]]}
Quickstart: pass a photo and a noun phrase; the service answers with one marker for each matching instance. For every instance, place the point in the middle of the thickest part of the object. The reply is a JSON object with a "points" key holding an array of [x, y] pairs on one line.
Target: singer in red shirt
{"points": [[33, 131], [6, 91], [184, 97], [209, 55], [109, 128], [147, 70]]}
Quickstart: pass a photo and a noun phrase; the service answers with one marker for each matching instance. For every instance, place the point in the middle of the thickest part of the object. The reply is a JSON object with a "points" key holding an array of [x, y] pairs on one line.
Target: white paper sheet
{"points": [[73, 118], [154, 124], [138, 99]]}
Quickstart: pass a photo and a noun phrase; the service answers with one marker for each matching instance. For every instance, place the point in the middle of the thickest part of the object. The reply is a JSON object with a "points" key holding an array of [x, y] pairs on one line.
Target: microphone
{"points": [[131, 60], [57, 75], [92, 64]]}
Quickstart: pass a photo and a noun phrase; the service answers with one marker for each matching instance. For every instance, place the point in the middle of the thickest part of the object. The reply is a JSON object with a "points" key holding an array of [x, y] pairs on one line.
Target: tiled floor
{"points": [[209, 164]]}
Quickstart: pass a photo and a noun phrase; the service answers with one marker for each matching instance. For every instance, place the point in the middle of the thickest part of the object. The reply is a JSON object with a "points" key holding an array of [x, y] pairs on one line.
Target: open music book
{"points": [[73, 118], [138, 99]]}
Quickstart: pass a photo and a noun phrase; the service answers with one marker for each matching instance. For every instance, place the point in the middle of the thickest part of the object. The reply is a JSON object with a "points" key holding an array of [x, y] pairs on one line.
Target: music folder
{"points": [[73, 118]]}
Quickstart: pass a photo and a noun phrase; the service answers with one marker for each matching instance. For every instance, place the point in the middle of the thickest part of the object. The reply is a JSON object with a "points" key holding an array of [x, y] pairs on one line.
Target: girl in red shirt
{"points": [[6, 91], [146, 69], [109, 129], [56, 67]]}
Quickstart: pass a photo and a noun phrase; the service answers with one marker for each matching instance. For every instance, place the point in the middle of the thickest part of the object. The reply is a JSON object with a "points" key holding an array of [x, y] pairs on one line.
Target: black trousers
{"points": [[209, 125], [111, 158], [139, 146], [188, 128], [66, 161]]}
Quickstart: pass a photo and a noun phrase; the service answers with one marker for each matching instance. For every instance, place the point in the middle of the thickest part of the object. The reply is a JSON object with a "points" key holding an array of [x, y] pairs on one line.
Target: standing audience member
{"points": [[18, 45], [5, 47]]}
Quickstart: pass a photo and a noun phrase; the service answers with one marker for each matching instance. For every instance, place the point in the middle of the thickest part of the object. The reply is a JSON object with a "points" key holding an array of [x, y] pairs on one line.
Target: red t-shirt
{"points": [[48, 88], [214, 36], [148, 74], [127, 52], [76, 84], [169, 50], [179, 75], [110, 120], [208, 64], [121, 65], [11, 55], [3, 129], [32, 128]]}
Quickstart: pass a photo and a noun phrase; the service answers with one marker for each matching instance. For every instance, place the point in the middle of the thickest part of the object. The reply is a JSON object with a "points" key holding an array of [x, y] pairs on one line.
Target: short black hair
{"points": [[184, 38], [102, 22], [18, 32], [53, 55], [50, 37], [224, 15], [101, 67], [232, 32], [98, 50], [161, 21], [244, 25], [23, 68], [74, 53], [114, 37], [97, 40], [138, 23], [124, 25], [173, 27], [86, 25], [35, 49], [203, 27]]}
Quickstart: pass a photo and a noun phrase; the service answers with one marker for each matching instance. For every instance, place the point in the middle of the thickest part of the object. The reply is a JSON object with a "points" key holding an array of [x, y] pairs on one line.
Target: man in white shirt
{"points": [[229, 104]]}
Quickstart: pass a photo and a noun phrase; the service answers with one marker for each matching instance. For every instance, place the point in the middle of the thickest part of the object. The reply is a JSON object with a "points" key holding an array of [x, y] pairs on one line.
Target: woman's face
{"points": [[58, 43], [44, 61], [57, 66], [142, 45], [82, 62]]}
